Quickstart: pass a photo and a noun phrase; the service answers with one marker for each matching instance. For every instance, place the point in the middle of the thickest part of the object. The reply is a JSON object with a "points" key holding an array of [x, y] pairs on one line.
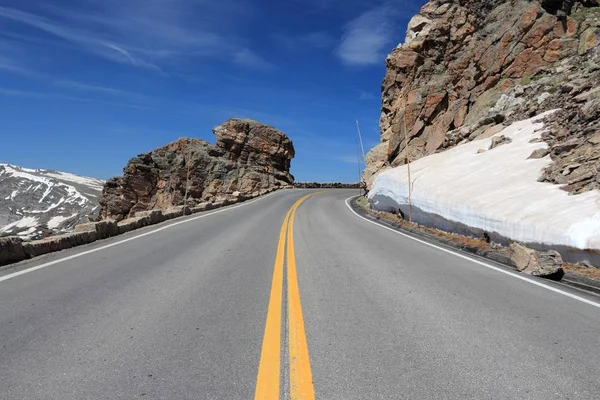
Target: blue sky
{"points": [[87, 84]]}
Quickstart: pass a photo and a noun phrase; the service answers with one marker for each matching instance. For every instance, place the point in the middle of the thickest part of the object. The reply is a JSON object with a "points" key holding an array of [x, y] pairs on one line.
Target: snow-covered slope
{"points": [[495, 191], [35, 202]]}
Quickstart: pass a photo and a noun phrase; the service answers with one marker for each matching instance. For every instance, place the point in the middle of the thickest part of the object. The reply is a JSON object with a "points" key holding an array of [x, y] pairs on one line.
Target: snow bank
{"points": [[495, 191]]}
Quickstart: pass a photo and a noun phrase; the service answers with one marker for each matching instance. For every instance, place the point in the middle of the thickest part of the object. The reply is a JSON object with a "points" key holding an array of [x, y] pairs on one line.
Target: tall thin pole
{"points": [[408, 168], [187, 180], [361, 143], [358, 164]]}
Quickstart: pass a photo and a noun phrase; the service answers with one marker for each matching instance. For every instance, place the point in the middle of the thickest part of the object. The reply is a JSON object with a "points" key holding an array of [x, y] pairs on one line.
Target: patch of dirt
{"points": [[592, 273]]}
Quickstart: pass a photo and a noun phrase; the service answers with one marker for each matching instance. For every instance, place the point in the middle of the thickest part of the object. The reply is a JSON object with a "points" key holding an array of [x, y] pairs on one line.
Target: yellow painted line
{"points": [[301, 383], [269, 369], [267, 382]]}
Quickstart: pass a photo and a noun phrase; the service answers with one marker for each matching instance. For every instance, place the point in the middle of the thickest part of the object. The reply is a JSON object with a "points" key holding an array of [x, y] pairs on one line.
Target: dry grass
{"points": [[592, 273], [478, 243]]}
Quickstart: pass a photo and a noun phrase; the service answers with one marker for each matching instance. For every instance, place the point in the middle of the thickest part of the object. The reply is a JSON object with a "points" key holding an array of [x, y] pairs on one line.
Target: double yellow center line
{"points": [[269, 369]]}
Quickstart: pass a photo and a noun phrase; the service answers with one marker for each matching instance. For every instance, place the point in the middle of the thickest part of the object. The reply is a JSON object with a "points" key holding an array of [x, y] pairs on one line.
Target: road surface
{"points": [[238, 304]]}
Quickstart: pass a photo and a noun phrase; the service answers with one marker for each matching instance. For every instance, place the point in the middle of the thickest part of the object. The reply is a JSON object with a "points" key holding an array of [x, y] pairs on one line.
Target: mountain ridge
{"points": [[41, 202]]}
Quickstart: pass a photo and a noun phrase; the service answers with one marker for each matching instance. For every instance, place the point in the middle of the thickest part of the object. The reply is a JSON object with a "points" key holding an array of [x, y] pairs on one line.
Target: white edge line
{"points": [[514, 275], [162, 228]]}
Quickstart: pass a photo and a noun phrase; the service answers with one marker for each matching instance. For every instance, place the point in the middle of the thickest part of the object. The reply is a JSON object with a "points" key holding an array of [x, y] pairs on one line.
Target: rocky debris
{"points": [[36, 203], [326, 185], [11, 250], [545, 264], [539, 153], [499, 141], [468, 66], [248, 157], [574, 146]]}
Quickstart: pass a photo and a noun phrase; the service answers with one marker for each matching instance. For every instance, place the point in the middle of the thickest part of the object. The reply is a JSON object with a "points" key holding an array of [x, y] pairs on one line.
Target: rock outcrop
{"points": [[248, 157], [468, 68]]}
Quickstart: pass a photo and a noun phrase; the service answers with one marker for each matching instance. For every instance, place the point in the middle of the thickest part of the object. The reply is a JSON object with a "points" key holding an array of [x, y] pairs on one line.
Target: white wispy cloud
{"points": [[48, 95], [362, 95], [310, 40], [14, 68], [248, 58], [152, 34], [80, 86], [367, 38], [350, 159]]}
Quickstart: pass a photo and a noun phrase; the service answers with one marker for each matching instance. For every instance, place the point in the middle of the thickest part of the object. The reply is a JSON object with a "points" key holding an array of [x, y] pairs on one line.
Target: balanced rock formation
{"points": [[248, 157], [467, 68]]}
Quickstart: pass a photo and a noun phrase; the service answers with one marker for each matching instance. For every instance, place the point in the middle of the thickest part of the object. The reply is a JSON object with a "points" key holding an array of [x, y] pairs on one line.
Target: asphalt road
{"points": [[181, 313]]}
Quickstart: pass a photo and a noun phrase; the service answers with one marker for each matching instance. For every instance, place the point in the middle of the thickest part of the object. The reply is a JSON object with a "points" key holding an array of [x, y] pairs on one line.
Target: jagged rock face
{"points": [[237, 163], [468, 66], [35, 203]]}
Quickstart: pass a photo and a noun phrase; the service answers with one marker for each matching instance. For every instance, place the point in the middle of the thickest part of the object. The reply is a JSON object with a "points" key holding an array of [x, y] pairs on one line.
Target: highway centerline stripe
{"points": [[267, 382], [301, 385], [269, 369]]}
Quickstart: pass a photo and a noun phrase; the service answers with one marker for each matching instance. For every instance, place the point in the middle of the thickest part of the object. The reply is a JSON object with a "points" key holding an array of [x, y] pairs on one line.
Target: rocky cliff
{"points": [[248, 157], [468, 68]]}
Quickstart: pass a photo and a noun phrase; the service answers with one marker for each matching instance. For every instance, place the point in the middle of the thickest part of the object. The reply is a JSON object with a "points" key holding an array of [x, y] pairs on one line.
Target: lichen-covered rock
{"points": [[248, 157], [469, 65]]}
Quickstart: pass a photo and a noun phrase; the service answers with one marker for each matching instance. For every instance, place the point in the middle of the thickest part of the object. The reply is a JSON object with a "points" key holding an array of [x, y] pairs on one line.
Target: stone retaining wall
{"points": [[13, 249]]}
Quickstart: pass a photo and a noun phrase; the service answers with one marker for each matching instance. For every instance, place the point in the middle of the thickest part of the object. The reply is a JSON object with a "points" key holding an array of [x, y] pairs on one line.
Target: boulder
{"points": [[539, 153], [11, 250], [545, 264], [499, 140]]}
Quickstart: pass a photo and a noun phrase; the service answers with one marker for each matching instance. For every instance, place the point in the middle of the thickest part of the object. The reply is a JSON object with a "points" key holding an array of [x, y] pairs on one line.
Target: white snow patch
{"points": [[27, 222], [47, 192], [21, 173], [496, 191], [12, 195], [65, 176], [28, 232], [55, 222]]}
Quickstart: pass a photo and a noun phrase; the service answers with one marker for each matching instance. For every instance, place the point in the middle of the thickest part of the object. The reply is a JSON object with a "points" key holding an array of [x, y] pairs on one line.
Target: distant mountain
{"points": [[37, 202]]}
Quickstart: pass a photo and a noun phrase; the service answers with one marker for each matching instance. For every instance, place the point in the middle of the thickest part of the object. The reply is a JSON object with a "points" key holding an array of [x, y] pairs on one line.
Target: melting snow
{"points": [[64, 176], [22, 223], [55, 222], [496, 191]]}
